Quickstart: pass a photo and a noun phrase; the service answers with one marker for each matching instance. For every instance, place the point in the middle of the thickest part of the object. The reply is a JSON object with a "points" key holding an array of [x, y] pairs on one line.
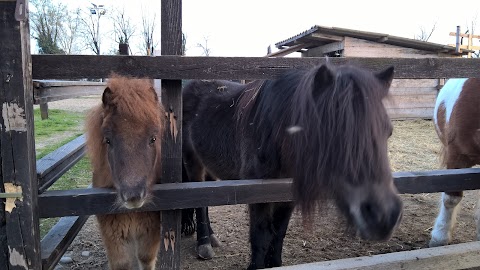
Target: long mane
{"points": [[132, 98], [337, 125]]}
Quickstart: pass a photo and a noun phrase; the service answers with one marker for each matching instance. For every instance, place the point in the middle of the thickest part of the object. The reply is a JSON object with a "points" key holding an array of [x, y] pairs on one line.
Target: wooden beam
{"points": [[320, 51], [51, 167], [58, 239], [464, 35], [466, 47], [289, 50], [19, 227], [324, 37], [229, 192], [171, 44], [45, 95], [174, 67], [452, 257]]}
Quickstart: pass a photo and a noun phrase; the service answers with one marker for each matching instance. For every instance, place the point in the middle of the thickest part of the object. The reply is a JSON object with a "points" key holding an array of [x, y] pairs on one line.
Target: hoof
{"points": [[214, 240], [205, 252], [437, 243]]}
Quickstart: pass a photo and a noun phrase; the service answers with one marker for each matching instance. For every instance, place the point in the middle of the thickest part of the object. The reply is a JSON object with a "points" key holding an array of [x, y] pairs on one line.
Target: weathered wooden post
{"points": [[19, 227], [171, 44]]}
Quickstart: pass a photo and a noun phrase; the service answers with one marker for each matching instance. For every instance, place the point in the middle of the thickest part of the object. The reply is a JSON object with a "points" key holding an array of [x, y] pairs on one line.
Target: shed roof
{"points": [[321, 35]]}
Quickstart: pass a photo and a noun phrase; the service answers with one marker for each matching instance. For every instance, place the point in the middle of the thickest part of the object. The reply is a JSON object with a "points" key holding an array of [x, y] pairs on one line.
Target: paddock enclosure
{"points": [[25, 181]]}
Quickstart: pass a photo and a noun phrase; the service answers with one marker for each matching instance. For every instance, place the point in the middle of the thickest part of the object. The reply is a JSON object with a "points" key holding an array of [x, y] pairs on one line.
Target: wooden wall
{"points": [[410, 98]]}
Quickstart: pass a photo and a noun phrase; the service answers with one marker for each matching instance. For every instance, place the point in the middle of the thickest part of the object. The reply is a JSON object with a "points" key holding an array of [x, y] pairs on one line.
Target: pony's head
{"points": [[339, 137], [124, 139]]}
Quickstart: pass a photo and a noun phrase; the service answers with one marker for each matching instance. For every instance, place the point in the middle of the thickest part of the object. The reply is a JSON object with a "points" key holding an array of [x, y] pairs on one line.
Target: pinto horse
{"points": [[457, 122], [325, 127], [124, 142]]}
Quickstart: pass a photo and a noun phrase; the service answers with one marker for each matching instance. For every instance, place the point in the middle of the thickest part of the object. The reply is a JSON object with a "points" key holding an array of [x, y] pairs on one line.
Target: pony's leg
{"points": [[204, 245], [188, 221], [148, 239], [449, 205], [114, 230], [281, 217], [213, 239], [442, 230], [261, 233]]}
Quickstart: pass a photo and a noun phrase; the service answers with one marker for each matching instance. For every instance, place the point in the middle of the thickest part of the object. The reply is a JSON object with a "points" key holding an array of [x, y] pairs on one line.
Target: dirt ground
{"points": [[413, 147]]}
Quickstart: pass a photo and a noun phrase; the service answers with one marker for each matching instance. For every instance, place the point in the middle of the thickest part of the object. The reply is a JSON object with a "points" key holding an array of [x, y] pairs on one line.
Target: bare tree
{"points": [[69, 41], [148, 28], [204, 46], [424, 34], [122, 26], [46, 21], [91, 21]]}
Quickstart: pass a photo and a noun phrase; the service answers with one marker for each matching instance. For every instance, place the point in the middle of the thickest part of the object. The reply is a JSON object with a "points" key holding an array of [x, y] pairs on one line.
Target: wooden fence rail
{"points": [[175, 68], [229, 192]]}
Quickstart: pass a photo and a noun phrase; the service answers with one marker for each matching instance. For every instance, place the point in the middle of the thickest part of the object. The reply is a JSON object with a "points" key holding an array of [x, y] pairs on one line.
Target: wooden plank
{"points": [[289, 50], [320, 51], [452, 257], [230, 192], [474, 48], [419, 83], [411, 91], [48, 94], [410, 113], [19, 227], [354, 47], [171, 44], [174, 67], [58, 83], [58, 239], [410, 101], [51, 167], [43, 110], [464, 35]]}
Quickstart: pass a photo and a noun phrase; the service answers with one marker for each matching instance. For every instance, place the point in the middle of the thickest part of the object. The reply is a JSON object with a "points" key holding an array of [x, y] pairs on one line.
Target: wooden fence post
{"points": [[19, 226], [171, 44]]}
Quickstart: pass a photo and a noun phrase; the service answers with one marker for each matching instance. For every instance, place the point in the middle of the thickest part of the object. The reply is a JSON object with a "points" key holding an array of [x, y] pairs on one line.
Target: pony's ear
{"points": [[107, 97], [323, 78], [386, 76], [323, 75]]}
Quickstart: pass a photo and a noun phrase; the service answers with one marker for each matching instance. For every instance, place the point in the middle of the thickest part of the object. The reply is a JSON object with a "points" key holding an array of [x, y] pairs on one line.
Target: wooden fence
{"points": [[24, 181]]}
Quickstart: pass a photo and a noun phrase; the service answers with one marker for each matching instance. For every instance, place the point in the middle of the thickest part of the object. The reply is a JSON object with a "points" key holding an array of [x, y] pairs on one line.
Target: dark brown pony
{"points": [[457, 122], [325, 127], [123, 141]]}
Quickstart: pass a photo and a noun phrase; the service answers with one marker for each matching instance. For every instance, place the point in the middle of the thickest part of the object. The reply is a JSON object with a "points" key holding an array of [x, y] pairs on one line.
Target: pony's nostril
{"points": [[369, 212]]}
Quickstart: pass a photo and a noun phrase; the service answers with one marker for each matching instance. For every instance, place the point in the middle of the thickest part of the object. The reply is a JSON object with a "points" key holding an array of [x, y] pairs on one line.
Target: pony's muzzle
{"points": [[380, 218], [133, 197]]}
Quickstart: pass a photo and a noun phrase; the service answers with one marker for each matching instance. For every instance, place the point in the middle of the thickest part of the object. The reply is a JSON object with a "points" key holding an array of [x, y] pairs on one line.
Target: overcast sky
{"points": [[247, 27]]}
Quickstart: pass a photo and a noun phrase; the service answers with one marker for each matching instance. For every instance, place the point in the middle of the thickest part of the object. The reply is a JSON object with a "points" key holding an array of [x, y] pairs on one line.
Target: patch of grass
{"points": [[58, 121], [65, 126]]}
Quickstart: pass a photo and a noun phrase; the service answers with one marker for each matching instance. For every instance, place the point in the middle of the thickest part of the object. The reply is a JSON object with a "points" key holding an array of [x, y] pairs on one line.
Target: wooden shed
{"points": [[410, 98]]}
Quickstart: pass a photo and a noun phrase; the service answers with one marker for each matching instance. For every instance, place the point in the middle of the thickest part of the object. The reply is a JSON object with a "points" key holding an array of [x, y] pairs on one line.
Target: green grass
{"points": [[58, 121], [66, 126]]}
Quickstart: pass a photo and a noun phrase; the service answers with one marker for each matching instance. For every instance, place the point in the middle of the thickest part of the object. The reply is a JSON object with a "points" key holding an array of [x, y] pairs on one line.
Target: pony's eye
{"points": [[153, 139], [107, 140]]}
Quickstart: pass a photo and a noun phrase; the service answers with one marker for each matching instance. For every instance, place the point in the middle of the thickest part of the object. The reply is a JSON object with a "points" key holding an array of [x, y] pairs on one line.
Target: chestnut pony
{"points": [[326, 127], [123, 142], [457, 122]]}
